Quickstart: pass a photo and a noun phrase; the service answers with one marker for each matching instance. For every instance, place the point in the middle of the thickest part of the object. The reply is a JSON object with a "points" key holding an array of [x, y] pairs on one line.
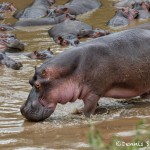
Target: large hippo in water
{"points": [[38, 9], [69, 32], [123, 17], [116, 65], [8, 62], [43, 21], [75, 7]]}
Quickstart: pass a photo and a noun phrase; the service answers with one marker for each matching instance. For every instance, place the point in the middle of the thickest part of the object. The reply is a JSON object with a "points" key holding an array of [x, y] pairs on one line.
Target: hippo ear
{"points": [[65, 10], [35, 52]]}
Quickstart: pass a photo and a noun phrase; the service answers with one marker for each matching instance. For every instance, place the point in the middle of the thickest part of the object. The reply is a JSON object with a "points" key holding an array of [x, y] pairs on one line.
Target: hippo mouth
{"points": [[38, 113]]}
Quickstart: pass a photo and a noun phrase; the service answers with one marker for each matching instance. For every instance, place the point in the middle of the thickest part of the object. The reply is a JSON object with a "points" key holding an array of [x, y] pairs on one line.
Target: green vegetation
{"points": [[141, 139]]}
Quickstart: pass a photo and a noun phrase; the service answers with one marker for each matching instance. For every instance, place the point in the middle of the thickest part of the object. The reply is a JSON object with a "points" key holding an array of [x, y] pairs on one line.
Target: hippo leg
{"points": [[90, 104], [145, 95]]}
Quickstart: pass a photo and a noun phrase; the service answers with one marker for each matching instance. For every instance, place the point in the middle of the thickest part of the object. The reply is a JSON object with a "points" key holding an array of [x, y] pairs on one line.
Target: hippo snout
{"points": [[35, 112]]}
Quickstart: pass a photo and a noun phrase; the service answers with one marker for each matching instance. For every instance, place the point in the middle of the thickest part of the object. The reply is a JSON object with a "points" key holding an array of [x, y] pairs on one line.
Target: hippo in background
{"points": [[6, 27], [119, 68], [143, 9], [75, 7], [38, 9], [41, 54], [123, 17], [43, 21], [128, 3], [7, 7], [8, 62], [69, 32], [10, 43]]}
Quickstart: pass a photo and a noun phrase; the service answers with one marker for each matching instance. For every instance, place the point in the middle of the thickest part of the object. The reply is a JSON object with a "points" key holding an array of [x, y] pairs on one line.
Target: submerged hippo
{"points": [[43, 21], [38, 9], [10, 63], [116, 65], [6, 27], [7, 7], [69, 32], [41, 54], [143, 9], [11, 43], [123, 17], [128, 3], [75, 7]]}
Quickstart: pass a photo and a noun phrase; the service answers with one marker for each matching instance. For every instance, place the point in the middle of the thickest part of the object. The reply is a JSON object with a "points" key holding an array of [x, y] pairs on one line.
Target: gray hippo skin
{"points": [[123, 17], [7, 7], [144, 26], [116, 65], [143, 9], [128, 3], [43, 21], [38, 9], [10, 43], [69, 32], [41, 54], [75, 7], [8, 62], [6, 27]]}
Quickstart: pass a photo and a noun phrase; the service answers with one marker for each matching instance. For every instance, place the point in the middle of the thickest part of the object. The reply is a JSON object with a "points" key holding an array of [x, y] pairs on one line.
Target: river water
{"points": [[64, 130]]}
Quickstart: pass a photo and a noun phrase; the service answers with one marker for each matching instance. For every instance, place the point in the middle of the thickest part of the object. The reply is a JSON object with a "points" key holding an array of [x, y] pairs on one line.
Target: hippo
{"points": [[143, 9], [116, 66], [38, 9], [75, 7], [69, 32], [123, 17], [8, 62], [41, 54], [43, 21], [128, 3], [7, 7], [11, 43], [6, 27]]}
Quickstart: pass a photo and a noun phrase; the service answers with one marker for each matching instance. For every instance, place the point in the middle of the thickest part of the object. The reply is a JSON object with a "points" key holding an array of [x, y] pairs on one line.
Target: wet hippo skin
{"points": [[75, 7], [116, 65], [38, 9], [8, 62], [69, 32]]}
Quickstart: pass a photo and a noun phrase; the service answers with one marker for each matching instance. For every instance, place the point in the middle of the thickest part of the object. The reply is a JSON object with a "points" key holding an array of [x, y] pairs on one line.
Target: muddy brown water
{"points": [[64, 130]]}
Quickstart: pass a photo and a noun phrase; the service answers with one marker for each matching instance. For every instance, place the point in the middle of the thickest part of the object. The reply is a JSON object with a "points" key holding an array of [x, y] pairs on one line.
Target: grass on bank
{"points": [[140, 140]]}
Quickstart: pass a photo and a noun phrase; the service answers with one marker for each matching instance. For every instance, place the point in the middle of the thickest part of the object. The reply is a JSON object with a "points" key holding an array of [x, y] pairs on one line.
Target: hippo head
{"points": [[41, 54], [58, 11], [66, 40], [39, 104], [92, 33], [129, 13], [10, 63], [140, 6], [13, 44], [7, 7]]}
